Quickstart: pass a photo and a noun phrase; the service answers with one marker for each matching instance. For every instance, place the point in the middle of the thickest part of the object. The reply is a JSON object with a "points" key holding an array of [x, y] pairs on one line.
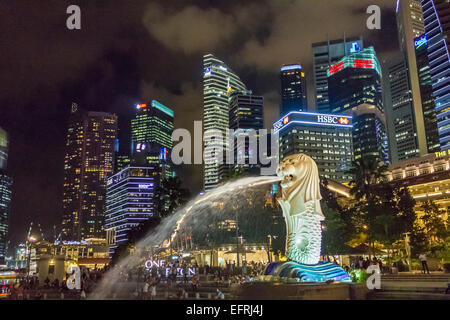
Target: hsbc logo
{"points": [[332, 119], [344, 121]]}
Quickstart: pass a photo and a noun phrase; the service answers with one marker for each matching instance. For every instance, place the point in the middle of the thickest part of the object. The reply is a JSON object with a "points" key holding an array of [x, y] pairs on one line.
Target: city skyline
{"points": [[123, 70]]}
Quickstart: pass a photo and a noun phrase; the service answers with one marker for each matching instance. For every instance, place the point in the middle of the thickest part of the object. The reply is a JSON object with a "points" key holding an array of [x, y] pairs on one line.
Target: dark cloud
{"points": [[127, 51]]}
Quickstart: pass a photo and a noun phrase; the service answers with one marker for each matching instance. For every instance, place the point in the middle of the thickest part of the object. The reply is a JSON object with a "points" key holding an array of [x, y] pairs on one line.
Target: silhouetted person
{"points": [[423, 259]]}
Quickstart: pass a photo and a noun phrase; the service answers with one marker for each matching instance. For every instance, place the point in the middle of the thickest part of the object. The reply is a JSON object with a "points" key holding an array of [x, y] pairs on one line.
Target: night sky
{"points": [[128, 51]]}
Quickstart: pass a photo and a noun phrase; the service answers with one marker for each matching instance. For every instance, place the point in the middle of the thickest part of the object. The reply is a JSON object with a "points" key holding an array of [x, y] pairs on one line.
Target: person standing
{"points": [[423, 259], [153, 289], [219, 295], [145, 291]]}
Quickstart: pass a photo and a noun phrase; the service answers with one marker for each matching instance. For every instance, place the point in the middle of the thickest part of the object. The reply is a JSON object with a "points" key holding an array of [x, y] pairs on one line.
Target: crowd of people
{"points": [[361, 263]]}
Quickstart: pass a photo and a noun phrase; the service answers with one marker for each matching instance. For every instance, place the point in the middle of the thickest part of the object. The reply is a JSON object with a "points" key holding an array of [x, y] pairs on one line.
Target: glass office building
{"points": [[436, 14], [219, 82], [326, 54], [293, 89], [354, 87], [88, 162], [129, 202], [325, 138]]}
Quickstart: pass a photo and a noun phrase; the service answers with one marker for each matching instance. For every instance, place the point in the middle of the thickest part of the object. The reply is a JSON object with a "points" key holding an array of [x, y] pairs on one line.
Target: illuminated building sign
{"points": [[442, 154], [163, 154], [308, 118], [146, 186], [336, 68], [358, 63], [421, 41], [150, 264], [355, 48], [364, 59]]}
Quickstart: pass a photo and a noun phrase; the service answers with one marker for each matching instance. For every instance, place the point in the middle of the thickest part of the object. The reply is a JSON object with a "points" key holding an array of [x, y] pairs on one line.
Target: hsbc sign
{"points": [[308, 118], [332, 119]]}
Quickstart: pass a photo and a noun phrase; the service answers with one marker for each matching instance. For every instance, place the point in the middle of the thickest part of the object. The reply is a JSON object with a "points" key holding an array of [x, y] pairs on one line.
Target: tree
{"points": [[338, 228], [169, 196], [418, 240], [434, 224], [381, 210], [367, 173], [334, 235]]}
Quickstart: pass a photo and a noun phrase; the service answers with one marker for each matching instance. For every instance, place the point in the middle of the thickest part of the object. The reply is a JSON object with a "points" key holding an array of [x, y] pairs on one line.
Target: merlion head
{"points": [[300, 181]]}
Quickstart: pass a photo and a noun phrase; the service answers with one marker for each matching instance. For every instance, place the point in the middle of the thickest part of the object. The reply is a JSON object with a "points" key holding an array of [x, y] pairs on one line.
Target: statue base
{"points": [[320, 272]]}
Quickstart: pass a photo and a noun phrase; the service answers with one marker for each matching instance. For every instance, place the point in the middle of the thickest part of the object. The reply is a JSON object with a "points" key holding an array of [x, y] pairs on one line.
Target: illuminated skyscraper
{"points": [[354, 87], [151, 137], [89, 161], [325, 54], [293, 89], [436, 16], [426, 94], [403, 104], [3, 148], [399, 108], [5, 194], [129, 202], [219, 82], [325, 138], [246, 112]]}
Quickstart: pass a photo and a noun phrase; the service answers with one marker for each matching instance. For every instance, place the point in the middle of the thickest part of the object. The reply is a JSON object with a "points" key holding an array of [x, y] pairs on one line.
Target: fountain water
{"points": [[171, 225]]}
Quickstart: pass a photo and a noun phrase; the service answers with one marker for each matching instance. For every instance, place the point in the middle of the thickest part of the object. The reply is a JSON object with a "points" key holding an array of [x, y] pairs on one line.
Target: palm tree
{"points": [[170, 196], [367, 172]]}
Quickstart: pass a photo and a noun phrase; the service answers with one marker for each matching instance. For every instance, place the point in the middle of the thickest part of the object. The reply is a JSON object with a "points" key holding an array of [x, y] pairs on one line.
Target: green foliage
{"points": [[169, 196], [433, 221], [418, 240], [335, 232], [359, 275], [381, 210]]}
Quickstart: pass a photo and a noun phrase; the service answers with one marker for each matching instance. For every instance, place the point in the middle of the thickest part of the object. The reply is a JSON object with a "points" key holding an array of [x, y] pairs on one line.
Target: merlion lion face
{"points": [[292, 169]]}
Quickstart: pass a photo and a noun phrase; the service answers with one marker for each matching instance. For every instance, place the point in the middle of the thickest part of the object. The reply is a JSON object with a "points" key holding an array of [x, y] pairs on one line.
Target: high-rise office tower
{"points": [[4, 141], [129, 202], [153, 124], [151, 135], [426, 94], [354, 87], [293, 89], [403, 100], [398, 103], [325, 54], [88, 162], [5, 194], [246, 113], [219, 82], [325, 138], [436, 14]]}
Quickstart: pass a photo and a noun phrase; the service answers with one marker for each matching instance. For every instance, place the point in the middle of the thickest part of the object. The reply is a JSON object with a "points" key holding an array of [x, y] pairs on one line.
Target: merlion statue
{"points": [[300, 202]]}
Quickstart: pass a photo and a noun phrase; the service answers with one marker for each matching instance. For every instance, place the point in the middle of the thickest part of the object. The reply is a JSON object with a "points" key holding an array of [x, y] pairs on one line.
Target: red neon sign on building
{"points": [[358, 63], [336, 67]]}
